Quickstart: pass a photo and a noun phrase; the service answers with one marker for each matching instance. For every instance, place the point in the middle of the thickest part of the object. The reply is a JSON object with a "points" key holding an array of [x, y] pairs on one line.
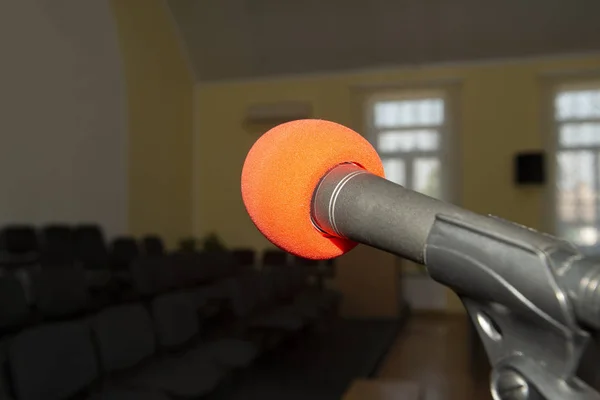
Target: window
{"points": [[407, 131], [577, 127]]}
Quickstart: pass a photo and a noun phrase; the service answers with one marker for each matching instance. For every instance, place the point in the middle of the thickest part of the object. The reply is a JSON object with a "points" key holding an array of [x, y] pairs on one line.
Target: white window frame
{"points": [[417, 287], [555, 83], [448, 145]]}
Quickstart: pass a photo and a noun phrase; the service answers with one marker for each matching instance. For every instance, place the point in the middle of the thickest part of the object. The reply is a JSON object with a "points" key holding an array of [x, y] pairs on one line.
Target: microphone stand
{"points": [[536, 307]]}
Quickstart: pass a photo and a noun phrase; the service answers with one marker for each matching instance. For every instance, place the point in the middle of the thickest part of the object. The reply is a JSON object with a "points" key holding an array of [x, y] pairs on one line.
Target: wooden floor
{"points": [[435, 351]]}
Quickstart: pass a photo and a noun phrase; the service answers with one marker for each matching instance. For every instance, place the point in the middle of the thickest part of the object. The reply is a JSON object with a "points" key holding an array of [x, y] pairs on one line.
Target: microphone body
{"points": [[353, 203], [527, 292]]}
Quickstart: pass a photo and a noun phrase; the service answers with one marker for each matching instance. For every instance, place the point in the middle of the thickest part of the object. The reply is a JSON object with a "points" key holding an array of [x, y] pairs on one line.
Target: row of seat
{"points": [[46, 293], [64, 244], [152, 348], [85, 244]]}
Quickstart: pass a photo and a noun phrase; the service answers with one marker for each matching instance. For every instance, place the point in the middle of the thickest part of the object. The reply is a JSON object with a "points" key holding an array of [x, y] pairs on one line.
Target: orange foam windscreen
{"points": [[283, 169]]}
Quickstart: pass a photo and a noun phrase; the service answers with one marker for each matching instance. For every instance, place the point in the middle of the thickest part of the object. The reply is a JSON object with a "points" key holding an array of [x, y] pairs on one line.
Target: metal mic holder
{"points": [[534, 299], [536, 307]]}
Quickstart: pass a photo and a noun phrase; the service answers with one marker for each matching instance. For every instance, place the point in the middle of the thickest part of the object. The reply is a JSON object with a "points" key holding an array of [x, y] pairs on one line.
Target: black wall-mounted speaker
{"points": [[530, 168]]}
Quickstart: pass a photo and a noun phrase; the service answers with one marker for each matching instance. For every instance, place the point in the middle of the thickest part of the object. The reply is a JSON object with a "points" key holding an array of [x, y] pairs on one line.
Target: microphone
{"points": [[316, 189], [281, 173]]}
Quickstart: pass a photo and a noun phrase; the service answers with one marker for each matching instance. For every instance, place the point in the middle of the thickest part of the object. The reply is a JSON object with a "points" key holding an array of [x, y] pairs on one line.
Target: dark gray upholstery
{"points": [[97, 278], [220, 290], [61, 291], [14, 309], [121, 394], [57, 245], [143, 275], [25, 276], [230, 353], [175, 318], [187, 269], [152, 245], [284, 319], [177, 377], [176, 321], [90, 247], [52, 361], [124, 335], [245, 294], [4, 381]]}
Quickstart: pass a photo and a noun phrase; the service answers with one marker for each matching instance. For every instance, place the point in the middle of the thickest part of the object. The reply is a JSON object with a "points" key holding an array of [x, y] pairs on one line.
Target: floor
{"points": [[433, 351], [436, 352], [319, 366]]}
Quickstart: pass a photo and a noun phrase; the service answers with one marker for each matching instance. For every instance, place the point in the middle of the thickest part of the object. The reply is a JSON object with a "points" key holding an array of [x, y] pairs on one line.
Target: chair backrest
{"points": [[143, 275], [124, 336], [300, 274], [281, 279], [61, 291], [152, 245], [5, 388], [52, 362], [19, 239], [58, 247], [245, 257], [153, 275], [14, 309], [188, 269], [175, 318], [246, 293], [19, 246], [274, 257], [220, 263], [90, 247], [123, 251]]}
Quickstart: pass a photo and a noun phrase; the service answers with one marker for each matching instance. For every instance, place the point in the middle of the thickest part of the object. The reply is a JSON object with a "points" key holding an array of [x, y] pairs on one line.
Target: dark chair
{"points": [[61, 291], [245, 257], [90, 247], [57, 245], [274, 257], [19, 245], [152, 245], [14, 310], [123, 251], [92, 254], [127, 345]]}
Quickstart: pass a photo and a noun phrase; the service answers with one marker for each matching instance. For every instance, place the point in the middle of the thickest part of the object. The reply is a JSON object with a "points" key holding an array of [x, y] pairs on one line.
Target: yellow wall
{"points": [[160, 110], [499, 115]]}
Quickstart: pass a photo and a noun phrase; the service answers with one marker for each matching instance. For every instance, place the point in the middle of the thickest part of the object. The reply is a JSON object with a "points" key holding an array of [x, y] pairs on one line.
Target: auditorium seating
{"points": [[152, 245], [57, 245], [14, 310], [19, 244], [183, 324]]}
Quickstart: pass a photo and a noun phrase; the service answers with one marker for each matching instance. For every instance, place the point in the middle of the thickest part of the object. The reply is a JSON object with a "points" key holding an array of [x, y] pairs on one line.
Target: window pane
{"points": [[578, 104], [576, 197], [582, 235], [427, 176], [399, 113], [581, 135], [405, 141], [395, 170]]}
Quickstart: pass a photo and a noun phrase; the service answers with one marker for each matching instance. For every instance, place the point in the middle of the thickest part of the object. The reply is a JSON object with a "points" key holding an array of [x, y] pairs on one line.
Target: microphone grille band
{"points": [[334, 196]]}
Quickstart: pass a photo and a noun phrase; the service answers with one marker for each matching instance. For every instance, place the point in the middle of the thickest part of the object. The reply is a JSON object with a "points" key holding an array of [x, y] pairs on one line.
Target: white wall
{"points": [[63, 139]]}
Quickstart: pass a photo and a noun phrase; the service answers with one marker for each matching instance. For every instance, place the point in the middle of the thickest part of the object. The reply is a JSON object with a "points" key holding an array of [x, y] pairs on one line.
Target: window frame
{"points": [[447, 145], [553, 84]]}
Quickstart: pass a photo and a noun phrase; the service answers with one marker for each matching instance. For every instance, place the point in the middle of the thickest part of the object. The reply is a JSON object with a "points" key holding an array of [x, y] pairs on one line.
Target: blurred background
{"points": [[125, 124]]}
